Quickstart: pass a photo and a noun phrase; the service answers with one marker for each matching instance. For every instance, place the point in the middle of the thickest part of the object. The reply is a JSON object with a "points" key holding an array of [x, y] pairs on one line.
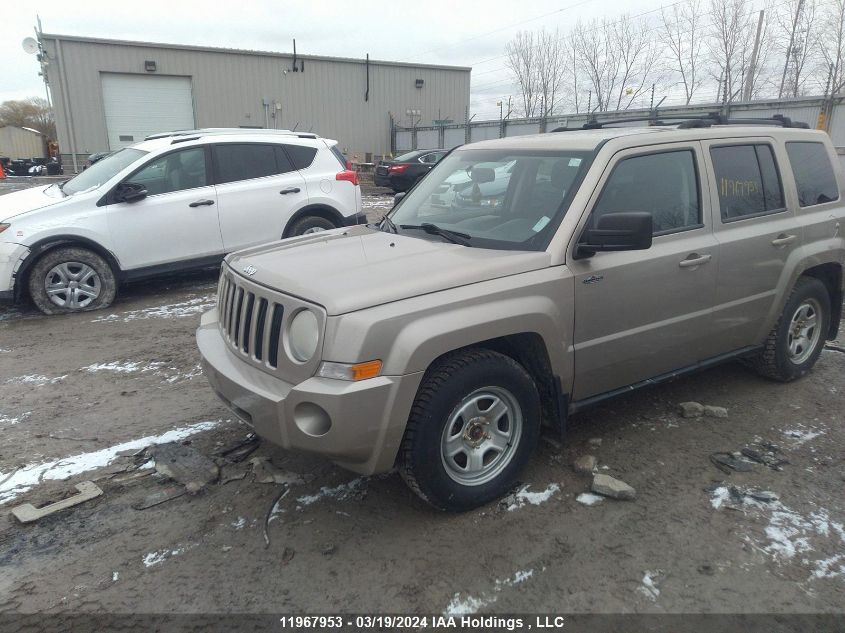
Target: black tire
{"points": [[106, 283], [311, 223], [774, 361], [444, 387]]}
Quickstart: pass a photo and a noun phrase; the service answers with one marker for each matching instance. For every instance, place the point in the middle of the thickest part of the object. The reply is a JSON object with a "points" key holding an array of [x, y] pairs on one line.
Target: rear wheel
{"points": [[312, 224], [473, 426], [796, 342], [71, 280]]}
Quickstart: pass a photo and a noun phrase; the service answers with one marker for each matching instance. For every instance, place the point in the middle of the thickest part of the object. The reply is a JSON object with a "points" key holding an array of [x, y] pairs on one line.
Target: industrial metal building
{"points": [[22, 142], [107, 94]]}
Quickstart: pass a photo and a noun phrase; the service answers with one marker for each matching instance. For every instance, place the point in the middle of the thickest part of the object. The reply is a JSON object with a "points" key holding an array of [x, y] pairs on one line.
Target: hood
{"points": [[357, 268], [12, 204]]}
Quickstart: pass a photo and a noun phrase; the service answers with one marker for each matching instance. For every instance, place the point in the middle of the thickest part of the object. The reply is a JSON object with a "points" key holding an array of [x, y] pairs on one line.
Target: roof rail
{"points": [[689, 121], [229, 130]]}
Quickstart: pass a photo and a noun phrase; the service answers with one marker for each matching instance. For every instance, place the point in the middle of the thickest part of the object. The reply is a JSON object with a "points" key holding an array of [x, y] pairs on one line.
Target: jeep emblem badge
{"points": [[250, 270]]}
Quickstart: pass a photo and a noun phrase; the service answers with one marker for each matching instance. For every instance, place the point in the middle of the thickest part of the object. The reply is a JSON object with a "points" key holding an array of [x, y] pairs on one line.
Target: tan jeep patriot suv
{"points": [[524, 279]]}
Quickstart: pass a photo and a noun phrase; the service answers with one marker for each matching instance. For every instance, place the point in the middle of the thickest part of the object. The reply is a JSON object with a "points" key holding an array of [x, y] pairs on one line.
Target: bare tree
{"points": [[681, 34], [522, 61], [597, 59], [729, 43], [33, 112], [831, 43], [551, 67], [797, 44], [759, 80]]}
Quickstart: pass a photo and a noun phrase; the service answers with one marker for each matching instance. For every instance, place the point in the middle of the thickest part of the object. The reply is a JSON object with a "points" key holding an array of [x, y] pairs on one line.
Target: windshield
{"points": [[500, 199], [102, 171]]}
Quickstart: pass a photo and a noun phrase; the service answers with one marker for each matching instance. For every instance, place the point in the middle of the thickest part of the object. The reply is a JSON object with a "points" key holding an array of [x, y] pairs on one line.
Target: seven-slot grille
{"points": [[251, 324]]}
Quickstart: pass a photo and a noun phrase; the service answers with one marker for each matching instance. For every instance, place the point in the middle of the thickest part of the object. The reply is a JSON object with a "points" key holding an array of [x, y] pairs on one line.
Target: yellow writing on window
{"points": [[737, 188]]}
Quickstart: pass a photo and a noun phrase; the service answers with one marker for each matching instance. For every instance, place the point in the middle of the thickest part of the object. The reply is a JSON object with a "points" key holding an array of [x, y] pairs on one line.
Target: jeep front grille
{"points": [[252, 321]]}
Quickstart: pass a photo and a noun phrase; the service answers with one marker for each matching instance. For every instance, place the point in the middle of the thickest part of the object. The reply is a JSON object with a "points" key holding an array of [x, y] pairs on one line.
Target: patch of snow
{"points": [[341, 492], [178, 310], [154, 558], [240, 523], [649, 585], [801, 434], [589, 499], [523, 497], [467, 606], [30, 475], [377, 202], [8, 420], [125, 367], [720, 495], [35, 379], [115, 575]]}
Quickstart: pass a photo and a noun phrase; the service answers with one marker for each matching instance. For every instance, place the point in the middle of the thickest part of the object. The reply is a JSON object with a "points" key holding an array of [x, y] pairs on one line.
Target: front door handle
{"points": [[783, 239], [202, 203], [695, 260], [289, 190]]}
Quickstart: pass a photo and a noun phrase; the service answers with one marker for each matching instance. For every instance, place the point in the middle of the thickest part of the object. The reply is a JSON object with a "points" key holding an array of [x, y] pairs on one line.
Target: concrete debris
{"points": [[329, 549], [226, 548], [165, 494], [715, 412], [27, 513], [287, 555], [185, 465], [766, 453], [585, 464], [691, 409], [614, 488], [138, 474], [228, 475], [264, 472]]}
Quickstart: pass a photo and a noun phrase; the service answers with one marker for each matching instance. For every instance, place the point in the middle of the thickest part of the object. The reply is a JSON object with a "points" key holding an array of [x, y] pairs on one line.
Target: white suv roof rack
{"points": [[229, 130]]}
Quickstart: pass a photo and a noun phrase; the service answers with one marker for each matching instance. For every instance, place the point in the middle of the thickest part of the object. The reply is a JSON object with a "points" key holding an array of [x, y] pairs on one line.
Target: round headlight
{"points": [[303, 335]]}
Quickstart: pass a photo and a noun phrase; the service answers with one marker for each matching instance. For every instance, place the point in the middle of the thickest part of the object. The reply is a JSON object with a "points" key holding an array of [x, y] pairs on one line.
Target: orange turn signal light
{"points": [[362, 371]]}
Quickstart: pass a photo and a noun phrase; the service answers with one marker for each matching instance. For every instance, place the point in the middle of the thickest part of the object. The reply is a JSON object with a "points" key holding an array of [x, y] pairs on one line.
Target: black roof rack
{"points": [[687, 121]]}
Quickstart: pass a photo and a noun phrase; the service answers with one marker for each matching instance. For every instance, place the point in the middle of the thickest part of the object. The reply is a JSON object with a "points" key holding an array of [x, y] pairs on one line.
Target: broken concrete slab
{"points": [[27, 513], [691, 409], [727, 462], [266, 473], [585, 464], [715, 412], [184, 464], [610, 487]]}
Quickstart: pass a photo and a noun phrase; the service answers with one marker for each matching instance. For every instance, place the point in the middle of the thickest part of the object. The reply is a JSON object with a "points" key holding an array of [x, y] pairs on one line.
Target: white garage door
{"points": [[139, 105]]}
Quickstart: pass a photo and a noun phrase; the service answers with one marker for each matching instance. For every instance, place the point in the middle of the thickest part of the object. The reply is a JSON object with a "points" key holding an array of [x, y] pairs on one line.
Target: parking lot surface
{"points": [[80, 394]]}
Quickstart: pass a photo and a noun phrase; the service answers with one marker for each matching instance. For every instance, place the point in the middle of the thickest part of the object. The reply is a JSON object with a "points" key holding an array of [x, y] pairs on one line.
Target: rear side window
{"points": [[747, 180], [301, 156], [236, 161], [664, 184], [339, 155], [813, 173]]}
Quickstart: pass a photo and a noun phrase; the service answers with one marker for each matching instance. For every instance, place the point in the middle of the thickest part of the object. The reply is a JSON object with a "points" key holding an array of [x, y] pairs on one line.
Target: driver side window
{"points": [[664, 184], [177, 171]]}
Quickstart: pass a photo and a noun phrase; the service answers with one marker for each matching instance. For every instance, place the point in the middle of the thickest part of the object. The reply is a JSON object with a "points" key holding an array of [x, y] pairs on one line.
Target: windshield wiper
{"points": [[453, 236], [390, 225], [62, 184]]}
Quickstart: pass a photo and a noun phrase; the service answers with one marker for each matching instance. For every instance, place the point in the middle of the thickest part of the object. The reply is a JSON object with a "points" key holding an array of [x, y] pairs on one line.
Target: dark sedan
{"points": [[403, 172]]}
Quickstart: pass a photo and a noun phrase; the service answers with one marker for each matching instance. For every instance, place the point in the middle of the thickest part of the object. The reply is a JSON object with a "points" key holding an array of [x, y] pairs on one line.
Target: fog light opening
{"points": [[312, 419]]}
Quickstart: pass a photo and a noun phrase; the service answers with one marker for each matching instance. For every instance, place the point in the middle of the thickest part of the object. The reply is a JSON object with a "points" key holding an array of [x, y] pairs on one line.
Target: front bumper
{"points": [[11, 257], [358, 425]]}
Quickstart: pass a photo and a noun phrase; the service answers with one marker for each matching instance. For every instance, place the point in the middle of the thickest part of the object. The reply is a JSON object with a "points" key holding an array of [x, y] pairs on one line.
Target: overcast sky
{"points": [[465, 33]]}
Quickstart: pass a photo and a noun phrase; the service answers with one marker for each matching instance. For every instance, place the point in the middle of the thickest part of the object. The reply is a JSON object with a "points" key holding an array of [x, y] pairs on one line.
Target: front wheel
{"points": [[797, 340], [71, 280], [473, 427]]}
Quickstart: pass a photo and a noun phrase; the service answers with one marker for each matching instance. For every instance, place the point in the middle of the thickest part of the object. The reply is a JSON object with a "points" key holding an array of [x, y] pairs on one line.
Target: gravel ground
{"points": [[75, 390]]}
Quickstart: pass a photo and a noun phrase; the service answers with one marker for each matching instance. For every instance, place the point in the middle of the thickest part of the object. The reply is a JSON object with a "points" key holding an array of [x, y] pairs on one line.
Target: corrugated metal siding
{"points": [[327, 98], [18, 143], [428, 139]]}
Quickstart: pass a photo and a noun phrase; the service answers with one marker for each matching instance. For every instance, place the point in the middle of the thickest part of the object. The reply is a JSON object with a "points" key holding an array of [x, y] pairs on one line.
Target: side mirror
{"points": [[398, 197], [130, 192], [630, 231]]}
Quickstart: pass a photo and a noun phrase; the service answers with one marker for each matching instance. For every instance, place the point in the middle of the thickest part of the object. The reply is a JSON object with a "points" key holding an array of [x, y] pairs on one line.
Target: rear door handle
{"points": [[201, 203], [695, 260], [289, 190], [783, 239]]}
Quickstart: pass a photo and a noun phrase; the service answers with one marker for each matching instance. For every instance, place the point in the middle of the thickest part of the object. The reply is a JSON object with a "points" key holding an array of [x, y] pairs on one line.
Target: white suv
{"points": [[173, 202]]}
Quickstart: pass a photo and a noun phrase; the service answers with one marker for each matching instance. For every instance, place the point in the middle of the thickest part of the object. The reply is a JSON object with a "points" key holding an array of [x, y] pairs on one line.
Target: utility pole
{"points": [[749, 79], [791, 43]]}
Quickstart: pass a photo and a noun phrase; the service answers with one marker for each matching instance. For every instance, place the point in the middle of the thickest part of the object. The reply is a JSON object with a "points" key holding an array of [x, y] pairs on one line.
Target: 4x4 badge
{"points": [[593, 279], [250, 270]]}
